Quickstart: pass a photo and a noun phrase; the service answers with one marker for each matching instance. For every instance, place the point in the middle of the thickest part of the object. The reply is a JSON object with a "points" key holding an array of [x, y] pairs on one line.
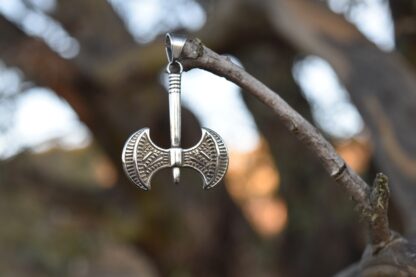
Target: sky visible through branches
{"points": [[31, 123]]}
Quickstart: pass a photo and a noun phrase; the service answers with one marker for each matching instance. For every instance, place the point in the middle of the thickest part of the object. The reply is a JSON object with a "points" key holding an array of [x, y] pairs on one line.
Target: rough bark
{"points": [[379, 199]]}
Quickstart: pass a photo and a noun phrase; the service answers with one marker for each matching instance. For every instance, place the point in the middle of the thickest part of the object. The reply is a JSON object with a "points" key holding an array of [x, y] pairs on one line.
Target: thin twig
{"points": [[196, 55]]}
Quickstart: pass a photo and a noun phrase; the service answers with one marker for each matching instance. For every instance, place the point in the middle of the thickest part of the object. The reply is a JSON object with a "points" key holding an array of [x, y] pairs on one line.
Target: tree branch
{"points": [[379, 224], [372, 77], [196, 55]]}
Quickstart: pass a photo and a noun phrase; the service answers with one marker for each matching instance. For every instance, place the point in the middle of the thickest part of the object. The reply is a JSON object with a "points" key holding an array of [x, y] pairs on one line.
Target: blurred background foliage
{"points": [[77, 77]]}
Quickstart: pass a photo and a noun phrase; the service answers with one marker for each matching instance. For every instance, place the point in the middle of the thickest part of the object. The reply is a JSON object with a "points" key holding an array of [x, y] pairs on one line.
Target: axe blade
{"points": [[209, 157], [142, 158]]}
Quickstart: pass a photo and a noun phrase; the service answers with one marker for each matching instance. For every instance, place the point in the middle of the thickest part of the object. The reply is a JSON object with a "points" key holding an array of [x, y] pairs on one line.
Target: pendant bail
{"points": [[173, 46]]}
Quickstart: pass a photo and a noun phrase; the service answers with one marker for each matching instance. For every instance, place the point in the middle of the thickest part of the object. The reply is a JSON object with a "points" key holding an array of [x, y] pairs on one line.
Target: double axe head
{"points": [[142, 158]]}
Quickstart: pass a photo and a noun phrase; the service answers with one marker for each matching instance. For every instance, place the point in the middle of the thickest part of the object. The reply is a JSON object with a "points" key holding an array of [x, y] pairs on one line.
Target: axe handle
{"points": [[175, 108], [175, 116]]}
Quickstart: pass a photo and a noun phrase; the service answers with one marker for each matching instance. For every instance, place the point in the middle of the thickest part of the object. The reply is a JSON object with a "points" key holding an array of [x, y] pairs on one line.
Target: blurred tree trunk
{"points": [[404, 16], [381, 84], [312, 196], [115, 91], [308, 191]]}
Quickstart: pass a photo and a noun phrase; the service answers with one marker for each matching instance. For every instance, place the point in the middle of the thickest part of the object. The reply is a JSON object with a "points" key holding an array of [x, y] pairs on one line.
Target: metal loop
{"points": [[173, 63], [174, 45]]}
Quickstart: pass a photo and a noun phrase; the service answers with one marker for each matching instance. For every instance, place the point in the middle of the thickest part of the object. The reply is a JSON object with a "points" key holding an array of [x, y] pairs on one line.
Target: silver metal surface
{"points": [[174, 45], [175, 115], [142, 158], [175, 108], [175, 156], [209, 157]]}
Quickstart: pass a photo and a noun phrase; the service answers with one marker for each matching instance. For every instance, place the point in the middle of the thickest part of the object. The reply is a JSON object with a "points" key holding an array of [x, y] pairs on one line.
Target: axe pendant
{"points": [[142, 158]]}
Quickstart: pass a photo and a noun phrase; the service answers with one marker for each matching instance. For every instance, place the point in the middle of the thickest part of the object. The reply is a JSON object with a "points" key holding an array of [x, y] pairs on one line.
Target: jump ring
{"points": [[172, 63]]}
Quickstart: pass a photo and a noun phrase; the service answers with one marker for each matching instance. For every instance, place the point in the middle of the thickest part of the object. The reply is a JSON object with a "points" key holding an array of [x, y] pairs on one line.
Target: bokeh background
{"points": [[77, 77]]}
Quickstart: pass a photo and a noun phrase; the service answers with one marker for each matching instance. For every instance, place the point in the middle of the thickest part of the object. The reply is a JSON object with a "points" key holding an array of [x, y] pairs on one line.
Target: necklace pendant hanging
{"points": [[142, 158]]}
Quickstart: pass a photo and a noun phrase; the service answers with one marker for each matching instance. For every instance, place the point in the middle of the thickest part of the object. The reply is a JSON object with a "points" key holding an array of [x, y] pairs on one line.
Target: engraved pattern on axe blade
{"points": [[209, 157], [142, 158]]}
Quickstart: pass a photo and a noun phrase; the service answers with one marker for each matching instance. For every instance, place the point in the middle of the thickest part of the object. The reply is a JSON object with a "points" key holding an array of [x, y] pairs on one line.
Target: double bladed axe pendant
{"points": [[142, 158]]}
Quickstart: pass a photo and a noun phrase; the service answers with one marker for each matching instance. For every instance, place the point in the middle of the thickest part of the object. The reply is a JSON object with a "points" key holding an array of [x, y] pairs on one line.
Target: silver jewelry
{"points": [[142, 158]]}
